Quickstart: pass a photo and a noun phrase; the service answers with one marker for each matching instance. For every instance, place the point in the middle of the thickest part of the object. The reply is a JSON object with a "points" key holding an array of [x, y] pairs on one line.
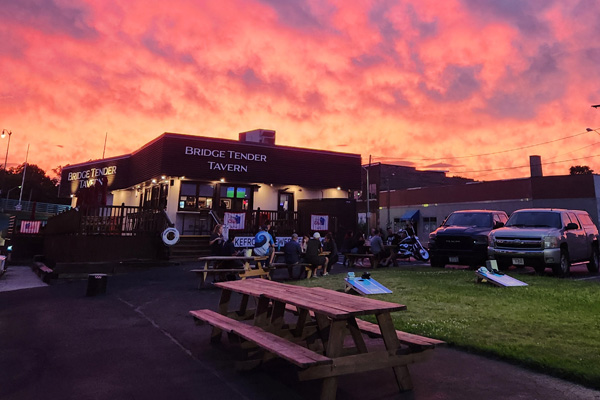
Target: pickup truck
{"points": [[546, 238], [463, 237]]}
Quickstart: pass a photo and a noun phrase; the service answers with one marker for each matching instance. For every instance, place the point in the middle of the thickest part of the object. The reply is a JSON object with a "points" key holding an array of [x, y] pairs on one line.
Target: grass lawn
{"points": [[552, 325]]}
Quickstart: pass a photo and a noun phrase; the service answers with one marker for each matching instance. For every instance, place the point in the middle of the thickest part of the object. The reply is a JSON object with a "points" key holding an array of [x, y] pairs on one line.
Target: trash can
{"points": [[96, 284]]}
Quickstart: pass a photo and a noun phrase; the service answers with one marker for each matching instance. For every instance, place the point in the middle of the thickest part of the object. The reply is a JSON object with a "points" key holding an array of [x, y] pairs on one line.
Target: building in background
{"points": [[427, 207], [384, 179]]}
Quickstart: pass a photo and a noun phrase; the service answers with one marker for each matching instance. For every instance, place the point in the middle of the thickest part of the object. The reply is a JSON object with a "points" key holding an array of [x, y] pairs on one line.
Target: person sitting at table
{"points": [[377, 247], [331, 247], [264, 245], [304, 243], [292, 252], [347, 244], [358, 247], [390, 236], [216, 241], [393, 240], [230, 250], [314, 257]]}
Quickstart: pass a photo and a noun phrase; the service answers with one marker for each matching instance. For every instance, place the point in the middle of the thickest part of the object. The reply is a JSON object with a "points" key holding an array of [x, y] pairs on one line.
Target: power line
{"points": [[524, 166], [484, 154]]}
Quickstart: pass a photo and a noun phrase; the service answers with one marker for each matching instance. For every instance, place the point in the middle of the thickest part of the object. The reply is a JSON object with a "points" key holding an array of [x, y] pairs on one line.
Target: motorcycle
{"points": [[410, 246]]}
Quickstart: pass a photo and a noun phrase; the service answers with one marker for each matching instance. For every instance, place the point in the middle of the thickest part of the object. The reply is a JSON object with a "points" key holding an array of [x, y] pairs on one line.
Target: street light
{"points": [[10, 190], [3, 135]]}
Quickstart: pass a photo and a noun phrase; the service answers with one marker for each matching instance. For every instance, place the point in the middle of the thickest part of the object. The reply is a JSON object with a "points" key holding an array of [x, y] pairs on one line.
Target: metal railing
{"points": [[8, 205]]}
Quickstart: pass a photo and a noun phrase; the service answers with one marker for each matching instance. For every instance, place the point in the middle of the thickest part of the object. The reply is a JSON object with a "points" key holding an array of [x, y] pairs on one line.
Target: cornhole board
{"points": [[365, 286], [493, 277]]}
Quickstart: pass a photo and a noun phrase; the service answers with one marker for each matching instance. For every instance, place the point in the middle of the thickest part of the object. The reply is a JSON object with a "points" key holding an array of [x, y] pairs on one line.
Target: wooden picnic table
{"points": [[245, 272], [315, 341]]}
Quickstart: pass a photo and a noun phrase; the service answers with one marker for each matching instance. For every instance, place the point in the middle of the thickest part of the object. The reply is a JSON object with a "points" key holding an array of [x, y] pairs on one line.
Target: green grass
{"points": [[552, 325]]}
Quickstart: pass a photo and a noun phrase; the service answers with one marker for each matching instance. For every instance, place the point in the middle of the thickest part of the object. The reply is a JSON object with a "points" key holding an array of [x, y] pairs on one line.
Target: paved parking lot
{"points": [[137, 341]]}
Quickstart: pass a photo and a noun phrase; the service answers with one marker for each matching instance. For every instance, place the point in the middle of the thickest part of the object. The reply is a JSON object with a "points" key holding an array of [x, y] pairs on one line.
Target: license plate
{"points": [[453, 259], [518, 261]]}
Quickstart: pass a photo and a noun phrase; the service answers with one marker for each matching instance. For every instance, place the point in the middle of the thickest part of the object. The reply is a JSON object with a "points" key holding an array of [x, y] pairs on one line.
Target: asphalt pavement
{"points": [[137, 341]]}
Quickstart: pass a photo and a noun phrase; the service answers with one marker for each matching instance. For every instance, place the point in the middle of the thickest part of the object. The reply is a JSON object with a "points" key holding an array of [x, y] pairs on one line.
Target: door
{"points": [[285, 205]]}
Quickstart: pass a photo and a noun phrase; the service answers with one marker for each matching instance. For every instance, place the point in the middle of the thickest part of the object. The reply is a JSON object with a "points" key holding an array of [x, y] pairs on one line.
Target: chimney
{"points": [[263, 136], [535, 165]]}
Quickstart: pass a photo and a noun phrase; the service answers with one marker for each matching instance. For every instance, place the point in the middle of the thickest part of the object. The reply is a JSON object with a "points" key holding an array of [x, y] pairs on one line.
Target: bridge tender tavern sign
{"points": [[226, 160], [89, 177]]}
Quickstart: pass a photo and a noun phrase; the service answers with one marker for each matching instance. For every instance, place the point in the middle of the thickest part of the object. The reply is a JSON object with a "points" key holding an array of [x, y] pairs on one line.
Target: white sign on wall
{"points": [[319, 222]]}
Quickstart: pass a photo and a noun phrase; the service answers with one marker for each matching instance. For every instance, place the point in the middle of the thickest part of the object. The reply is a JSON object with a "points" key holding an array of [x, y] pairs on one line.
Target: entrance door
{"points": [[285, 205]]}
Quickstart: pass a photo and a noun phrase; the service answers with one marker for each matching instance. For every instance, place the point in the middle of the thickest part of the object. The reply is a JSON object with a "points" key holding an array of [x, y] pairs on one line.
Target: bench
{"points": [[243, 272], [202, 273], [414, 342], [290, 267], [292, 352], [352, 257], [44, 272]]}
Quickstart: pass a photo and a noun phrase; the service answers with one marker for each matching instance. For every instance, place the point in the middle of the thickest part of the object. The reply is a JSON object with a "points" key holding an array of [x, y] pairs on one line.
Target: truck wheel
{"points": [[563, 268], [594, 262], [436, 262]]}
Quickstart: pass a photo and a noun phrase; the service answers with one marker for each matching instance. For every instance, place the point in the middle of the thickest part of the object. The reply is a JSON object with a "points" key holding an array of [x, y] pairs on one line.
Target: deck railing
{"points": [[109, 220]]}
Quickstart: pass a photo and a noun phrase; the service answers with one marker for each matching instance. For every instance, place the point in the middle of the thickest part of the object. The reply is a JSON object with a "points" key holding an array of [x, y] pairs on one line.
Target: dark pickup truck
{"points": [[463, 237]]}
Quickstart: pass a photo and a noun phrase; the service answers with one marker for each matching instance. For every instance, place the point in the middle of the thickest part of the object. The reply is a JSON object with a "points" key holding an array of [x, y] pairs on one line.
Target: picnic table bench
{"points": [[290, 268], [245, 272], [314, 340], [352, 257], [304, 266]]}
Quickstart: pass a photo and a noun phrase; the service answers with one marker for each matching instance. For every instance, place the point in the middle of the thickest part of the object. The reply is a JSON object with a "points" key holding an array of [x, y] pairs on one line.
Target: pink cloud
{"points": [[400, 80]]}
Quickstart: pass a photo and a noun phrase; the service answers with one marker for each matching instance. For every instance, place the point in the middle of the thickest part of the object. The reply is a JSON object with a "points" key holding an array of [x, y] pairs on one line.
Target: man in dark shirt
{"points": [[292, 253], [314, 257]]}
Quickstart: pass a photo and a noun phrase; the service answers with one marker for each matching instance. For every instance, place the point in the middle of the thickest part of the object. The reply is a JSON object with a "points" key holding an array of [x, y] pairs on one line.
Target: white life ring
{"points": [[170, 236]]}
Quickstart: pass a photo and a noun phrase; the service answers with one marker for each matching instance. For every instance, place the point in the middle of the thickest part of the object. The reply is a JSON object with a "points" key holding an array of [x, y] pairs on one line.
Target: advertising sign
{"points": [[235, 220], [319, 222]]}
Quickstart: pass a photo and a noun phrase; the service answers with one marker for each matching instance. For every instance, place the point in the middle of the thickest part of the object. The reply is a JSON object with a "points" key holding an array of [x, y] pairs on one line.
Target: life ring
{"points": [[170, 236]]}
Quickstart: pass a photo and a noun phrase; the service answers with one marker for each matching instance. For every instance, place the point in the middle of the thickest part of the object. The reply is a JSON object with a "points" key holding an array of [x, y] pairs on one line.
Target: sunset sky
{"points": [[472, 87]]}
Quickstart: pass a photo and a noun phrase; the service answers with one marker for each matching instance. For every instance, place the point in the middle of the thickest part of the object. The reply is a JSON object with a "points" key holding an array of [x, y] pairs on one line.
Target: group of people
{"points": [[358, 243], [311, 251]]}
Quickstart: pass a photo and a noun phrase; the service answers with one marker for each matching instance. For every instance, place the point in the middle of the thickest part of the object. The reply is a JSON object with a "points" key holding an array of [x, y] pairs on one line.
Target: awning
{"points": [[410, 215]]}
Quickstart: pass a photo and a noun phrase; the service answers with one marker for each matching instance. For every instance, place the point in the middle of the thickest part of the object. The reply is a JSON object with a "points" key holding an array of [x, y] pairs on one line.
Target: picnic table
{"points": [[245, 272], [315, 340]]}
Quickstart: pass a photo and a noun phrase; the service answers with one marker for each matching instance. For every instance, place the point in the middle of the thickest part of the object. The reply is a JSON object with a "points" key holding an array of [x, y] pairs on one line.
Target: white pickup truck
{"points": [[546, 237]]}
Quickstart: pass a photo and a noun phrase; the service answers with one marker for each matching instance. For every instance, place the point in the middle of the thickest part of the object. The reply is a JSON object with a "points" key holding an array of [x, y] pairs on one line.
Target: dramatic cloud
{"points": [[463, 85]]}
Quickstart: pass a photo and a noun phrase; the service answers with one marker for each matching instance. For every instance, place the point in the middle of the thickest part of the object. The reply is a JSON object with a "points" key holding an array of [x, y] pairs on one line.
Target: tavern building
{"points": [[198, 181]]}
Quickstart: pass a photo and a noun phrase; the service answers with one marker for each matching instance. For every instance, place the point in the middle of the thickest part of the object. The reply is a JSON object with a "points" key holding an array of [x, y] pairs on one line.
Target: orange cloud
{"points": [[463, 85]]}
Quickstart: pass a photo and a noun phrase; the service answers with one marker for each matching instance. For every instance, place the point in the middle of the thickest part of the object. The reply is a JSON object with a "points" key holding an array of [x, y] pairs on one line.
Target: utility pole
{"points": [[368, 199], [104, 151], [23, 180]]}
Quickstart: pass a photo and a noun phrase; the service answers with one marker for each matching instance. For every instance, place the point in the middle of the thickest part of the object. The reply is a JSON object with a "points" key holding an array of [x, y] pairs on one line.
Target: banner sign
{"points": [[235, 220], [248, 241], [319, 222]]}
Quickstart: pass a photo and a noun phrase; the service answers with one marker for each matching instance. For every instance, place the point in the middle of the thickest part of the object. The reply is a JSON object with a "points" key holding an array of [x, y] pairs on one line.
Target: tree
{"points": [[37, 186], [581, 170]]}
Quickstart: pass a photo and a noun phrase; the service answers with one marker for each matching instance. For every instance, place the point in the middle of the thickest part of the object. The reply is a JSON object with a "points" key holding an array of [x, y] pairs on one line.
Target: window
{"points": [[194, 196], [574, 219], [429, 224], [235, 192]]}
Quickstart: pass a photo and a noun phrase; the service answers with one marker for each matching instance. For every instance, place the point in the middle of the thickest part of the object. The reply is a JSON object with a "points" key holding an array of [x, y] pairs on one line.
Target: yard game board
{"points": [[365, 286], [492, 275]]}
